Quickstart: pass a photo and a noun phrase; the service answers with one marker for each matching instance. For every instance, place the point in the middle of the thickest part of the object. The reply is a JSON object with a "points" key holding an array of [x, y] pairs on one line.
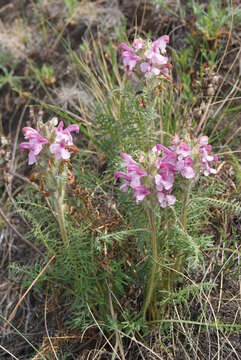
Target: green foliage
{"points": [[101, 260], [237, 167], [96, 261], [44, 75], [213, 20], [71, 6], [91, 261], [8, 77]]}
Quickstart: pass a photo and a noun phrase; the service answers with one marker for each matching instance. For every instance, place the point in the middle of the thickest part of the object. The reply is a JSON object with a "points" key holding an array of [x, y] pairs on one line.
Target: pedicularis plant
{"points": [[152, 178], [160, 176], [50, 146]]}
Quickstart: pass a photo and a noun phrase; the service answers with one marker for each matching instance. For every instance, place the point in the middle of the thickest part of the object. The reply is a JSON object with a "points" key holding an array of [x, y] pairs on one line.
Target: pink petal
{"points": [[148, 54], [124, 187], [65, 154], [25, 145], [121, 175], [215, 159], [36, 148], [161, 43], [73, 128], [144, 67], [127, 159], [162, 199], [171, 199], [136, 170], [31, 158], [28, 132], [60, 126], [155, 71], [165, 71], [183, 149], [54, 148], [138, 44], [135, 181], [140, 192], [203, 140], [125, 47], [188, 172], [159, 59]]}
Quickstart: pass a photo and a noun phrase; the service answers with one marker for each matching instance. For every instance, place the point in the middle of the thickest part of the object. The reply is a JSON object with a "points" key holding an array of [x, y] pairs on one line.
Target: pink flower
{"points": [[140, 192], [168, 159], [132, 178], [165, 70], [34, 148], [138, 44], [149, 70], [35, 144], [30, 133], [129, 57], [184, 163], [205, 158], [72, 128], [185, 168], [165, 200], [156, 65], [215, 159], [159, 148], [136, 170], [127, 159], [63, 141], [127, 180], [166, 166], [203, 140], [158, 181], [149, 56], [161, 43], [156, 58], [125, 47], [167, 176], [183, 150]]}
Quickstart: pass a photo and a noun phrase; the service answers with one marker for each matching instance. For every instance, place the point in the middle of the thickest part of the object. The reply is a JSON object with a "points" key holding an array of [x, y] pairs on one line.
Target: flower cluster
{"points": [[58, 140], [155, 174], [206, 159], [146, 57], [133, 177], [34, 145], [63, 141]]}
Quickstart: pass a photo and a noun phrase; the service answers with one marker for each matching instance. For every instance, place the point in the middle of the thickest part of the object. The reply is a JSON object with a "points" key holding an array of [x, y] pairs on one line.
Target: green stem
{"points": [[184, 206], [179, 260], [59, 200], [151, 287]]}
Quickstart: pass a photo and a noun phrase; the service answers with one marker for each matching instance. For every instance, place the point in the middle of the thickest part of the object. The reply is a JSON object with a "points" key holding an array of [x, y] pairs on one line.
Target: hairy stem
{"points": [[151, 286], [184, 206], [59, 202], [179, 260]]}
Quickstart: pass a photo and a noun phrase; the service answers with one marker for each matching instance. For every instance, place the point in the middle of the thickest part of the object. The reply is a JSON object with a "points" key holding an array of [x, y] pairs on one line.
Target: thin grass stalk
{"points": [[179, 258], [151, 287], [178, 263], [59, 205]]}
